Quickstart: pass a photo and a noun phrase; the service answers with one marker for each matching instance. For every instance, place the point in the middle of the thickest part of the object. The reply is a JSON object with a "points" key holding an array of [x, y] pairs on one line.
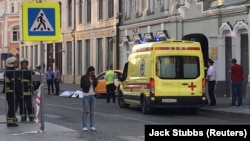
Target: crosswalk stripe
{"points": [[132, 138]]}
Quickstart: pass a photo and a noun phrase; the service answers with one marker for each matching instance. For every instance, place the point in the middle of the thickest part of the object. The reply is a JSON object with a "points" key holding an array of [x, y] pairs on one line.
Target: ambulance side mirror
{"points": [[123, 77], [119, 77]]}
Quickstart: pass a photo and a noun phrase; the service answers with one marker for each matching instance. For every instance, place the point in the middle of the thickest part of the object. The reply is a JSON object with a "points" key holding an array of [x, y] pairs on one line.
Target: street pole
{"points": [[42, 82], [74, 45]]}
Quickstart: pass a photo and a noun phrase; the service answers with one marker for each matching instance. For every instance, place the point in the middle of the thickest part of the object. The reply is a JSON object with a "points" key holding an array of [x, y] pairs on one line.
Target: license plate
{"points": [[168, 100]]}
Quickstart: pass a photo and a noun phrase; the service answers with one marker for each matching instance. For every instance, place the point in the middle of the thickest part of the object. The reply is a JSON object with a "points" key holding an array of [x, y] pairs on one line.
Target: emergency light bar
{"points": [[161, 35], [148, 37]]}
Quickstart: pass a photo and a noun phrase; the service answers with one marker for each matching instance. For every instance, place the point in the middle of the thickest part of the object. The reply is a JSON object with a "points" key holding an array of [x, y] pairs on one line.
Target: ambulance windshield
{"points": [[177, 67]]}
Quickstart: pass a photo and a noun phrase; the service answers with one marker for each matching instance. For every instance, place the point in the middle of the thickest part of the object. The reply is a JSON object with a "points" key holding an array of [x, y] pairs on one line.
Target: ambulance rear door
{"points": [[191, 75], [166, 82]]}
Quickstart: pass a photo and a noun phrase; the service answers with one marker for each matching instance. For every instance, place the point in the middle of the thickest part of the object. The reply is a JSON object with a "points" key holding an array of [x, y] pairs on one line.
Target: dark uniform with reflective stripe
{"points": [[11, 80], [26, 76]]}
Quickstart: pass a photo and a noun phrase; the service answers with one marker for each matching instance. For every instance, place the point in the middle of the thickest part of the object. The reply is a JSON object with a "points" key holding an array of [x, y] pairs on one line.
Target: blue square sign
{"points": [[41, 21]]}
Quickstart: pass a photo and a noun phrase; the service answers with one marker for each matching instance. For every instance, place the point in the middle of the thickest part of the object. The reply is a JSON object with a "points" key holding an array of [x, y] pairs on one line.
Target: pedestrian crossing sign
{"points": [[41, 21]]}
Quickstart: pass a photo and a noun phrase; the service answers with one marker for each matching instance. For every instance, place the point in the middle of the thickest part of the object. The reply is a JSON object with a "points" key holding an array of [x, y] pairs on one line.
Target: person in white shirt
{"points": [[211, 82]]}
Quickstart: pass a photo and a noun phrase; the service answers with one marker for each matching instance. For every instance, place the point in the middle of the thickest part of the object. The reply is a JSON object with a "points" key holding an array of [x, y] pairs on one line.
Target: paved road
{"points": [[63, 120]]}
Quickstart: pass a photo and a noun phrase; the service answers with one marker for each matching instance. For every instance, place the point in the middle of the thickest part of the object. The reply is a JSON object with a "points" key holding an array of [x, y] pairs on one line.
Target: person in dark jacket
{"points": [[26, 82], [11, 83], [88, 83]]}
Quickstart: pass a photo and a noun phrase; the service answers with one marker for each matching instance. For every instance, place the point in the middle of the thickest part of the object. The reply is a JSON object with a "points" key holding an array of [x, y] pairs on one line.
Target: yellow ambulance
{"points": [[163, 74]]}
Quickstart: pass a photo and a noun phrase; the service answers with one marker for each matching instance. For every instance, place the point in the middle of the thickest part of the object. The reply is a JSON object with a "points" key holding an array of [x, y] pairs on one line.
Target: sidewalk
{"points": [[223, 107], [28, 131]]}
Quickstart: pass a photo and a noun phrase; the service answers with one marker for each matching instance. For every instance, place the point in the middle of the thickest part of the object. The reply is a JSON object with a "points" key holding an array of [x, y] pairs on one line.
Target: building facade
{"points": [[102, 32], [221, 26], [88, 31], [9, 29]]}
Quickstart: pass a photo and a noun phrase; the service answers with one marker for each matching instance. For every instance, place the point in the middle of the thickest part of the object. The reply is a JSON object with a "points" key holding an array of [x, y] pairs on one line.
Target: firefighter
{"points": [[26, 80], [10, 86]]}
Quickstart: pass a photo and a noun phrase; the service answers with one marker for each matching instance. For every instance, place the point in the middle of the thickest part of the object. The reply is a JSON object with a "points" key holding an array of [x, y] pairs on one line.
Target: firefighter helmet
{"points": [[24, 60], [10, 61]]}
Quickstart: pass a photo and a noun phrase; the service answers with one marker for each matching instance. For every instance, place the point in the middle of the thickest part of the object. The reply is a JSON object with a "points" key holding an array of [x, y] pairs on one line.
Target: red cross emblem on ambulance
{"points": [[192, 86]]}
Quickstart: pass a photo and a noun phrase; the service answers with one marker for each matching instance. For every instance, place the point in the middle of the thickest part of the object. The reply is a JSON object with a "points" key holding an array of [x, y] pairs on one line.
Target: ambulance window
{"points": [[190, 66], [177, 67], [165, 67]]}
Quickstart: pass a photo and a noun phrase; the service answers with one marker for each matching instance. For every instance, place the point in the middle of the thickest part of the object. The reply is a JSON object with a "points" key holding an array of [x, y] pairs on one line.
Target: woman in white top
{"points": [[88, 83], [211, 82]]}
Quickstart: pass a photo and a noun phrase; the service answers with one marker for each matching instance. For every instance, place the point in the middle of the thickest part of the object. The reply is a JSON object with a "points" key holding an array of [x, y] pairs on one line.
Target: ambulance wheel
{"points": [[145, 109], [121, 102]]}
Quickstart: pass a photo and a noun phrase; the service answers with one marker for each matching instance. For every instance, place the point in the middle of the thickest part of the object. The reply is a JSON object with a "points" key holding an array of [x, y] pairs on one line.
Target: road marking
{"points": [[105, 115], [132, 138]]}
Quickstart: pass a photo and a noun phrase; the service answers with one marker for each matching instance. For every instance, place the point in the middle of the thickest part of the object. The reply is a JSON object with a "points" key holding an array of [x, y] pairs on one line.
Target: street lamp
{"points": [[74, 52]]}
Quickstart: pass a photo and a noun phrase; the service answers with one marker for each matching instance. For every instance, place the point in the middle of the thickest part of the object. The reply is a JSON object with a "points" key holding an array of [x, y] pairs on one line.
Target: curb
{"points": [[227, 113]]}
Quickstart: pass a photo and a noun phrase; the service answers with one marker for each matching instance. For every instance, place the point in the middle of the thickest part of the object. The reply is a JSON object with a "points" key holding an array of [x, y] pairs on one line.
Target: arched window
{"points": [[69, 12], [15, 34]]}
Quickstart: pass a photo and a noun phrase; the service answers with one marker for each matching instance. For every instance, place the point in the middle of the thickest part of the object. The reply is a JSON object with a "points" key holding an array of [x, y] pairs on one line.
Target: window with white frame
{"points": [[80, 11], [79, 56], [100, 8], [165, 5], [15, 33], [12, 8], [110, 52], [88, 11], [110, 8], [69, 12], [87, 53], [128, 7], [69, 57], [99, 55]]}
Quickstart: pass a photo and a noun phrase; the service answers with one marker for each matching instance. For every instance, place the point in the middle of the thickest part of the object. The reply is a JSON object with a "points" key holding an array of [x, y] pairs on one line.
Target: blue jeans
{"points": [[88, 103], [236, 93]]}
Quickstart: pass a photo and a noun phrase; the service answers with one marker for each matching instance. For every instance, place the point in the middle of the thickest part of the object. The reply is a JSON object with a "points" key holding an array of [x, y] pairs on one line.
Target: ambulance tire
{"points": [[121, 102], [145, 109]]}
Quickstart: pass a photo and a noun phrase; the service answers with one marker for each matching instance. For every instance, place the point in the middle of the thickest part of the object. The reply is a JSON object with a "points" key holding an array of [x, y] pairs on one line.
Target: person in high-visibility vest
{"points": [[10, 86], [110, 86], [26, 76]]}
